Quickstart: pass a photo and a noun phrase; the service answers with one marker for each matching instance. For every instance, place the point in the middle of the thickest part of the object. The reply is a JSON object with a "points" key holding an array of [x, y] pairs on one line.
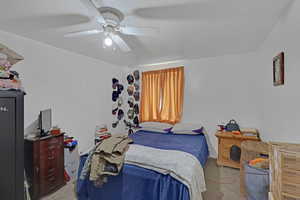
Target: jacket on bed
{"points": [[108, 158]]}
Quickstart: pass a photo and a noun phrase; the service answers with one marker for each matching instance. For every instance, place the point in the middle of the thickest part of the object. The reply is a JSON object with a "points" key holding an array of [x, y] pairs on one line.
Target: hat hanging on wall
{"points": [[136, 121], [136, 109], [120, 101], [120, 114], [115, 82], [136, 86], [136, 96], [114, 105], [115, 95], [131, 102], [130, 131], [136, 75], [115, 124], [130, 114], [130, 79], [130, 90], [114, 111], [120, 88]]}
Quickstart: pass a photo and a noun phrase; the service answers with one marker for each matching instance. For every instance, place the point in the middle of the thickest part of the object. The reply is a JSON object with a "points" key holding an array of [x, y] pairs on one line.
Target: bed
{"points": [[138, 183]]}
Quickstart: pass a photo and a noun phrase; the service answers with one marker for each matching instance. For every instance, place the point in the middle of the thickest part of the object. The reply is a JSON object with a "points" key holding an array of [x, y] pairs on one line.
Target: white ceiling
{"points": [[188, 28]]}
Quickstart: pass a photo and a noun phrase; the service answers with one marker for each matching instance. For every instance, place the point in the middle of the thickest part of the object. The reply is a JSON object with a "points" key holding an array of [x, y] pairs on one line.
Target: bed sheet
{"points": [[136, 183]]}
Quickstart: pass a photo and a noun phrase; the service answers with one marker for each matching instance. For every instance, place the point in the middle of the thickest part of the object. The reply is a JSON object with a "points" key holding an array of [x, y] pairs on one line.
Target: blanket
{"points": [[170, 162]]}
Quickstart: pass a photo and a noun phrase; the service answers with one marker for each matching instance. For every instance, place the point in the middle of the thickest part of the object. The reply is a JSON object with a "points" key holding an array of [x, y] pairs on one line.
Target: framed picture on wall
{"points": [[278, 69]]}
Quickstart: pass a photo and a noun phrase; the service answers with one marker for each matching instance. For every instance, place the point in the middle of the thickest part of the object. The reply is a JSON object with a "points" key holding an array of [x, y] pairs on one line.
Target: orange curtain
{"points": [[162, 95], [151, 93]]}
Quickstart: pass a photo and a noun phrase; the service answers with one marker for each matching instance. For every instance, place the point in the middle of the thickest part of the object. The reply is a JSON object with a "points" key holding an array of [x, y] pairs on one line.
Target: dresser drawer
{"points": [[51, 145], [48, 164], [49, 184]]}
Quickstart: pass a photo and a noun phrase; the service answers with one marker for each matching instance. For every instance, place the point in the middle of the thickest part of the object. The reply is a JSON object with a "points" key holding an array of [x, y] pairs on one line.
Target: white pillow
{"points": [[156, 126], [187, 128]]}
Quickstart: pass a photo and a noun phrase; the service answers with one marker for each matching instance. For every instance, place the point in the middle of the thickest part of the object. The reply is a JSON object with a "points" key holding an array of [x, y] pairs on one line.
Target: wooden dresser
{"points": [[285, 171], [225, 141], [44, 164]]}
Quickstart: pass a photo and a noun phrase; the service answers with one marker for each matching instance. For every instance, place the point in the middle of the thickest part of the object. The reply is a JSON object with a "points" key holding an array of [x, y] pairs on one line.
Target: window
{"points": [[162, 95]]}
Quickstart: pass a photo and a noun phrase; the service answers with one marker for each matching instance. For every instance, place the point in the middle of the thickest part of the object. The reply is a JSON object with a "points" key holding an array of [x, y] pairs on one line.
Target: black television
{"points": [[45, 122]]}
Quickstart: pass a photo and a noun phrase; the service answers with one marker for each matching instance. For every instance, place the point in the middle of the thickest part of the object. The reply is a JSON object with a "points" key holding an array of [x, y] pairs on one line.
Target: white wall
{"points": [[77, 88], [282, 104], [241, 86], [219, 89]]}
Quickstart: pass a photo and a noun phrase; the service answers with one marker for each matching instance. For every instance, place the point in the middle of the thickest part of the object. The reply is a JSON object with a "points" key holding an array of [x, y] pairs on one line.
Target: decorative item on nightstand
{"points": [[229, 147]]}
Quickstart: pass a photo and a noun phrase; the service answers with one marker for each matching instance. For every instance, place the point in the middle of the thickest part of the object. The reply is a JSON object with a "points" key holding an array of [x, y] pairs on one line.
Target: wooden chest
{"points": [[225, 141], [44, 165]]}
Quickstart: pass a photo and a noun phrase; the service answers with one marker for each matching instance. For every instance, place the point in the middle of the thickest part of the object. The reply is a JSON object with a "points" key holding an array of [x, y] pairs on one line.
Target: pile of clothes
{"points": [[101, 133], [106, 159], [9, 80], [261, 163], [70, 143]]}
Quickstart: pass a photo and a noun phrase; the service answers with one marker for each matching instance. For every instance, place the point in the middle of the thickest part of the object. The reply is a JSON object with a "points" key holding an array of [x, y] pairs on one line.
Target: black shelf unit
{"points": [[12, 145]]}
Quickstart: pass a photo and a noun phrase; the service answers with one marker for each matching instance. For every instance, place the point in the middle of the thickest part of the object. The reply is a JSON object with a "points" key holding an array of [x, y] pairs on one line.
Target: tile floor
{"points": [[222, 183]]}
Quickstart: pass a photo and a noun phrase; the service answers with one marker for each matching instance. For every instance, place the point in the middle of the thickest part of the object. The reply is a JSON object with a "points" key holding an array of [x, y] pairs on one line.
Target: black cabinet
{"points": [[11, 145]]}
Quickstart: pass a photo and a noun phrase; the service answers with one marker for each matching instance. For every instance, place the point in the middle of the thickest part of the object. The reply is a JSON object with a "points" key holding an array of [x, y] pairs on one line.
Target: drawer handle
{"points": [[51, 179], [53, 141], [50, 157], [51, 170], [51, 147], [52, 187]]}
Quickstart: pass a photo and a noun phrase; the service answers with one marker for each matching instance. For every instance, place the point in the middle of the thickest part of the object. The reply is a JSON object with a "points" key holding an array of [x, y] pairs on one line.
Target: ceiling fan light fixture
{"points": [[108, 41]]}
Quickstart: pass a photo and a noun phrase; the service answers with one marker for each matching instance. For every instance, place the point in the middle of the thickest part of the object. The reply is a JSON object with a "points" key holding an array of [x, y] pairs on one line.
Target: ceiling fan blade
{"points": [[83, 33], [93, 11], [128, 30], [120, 42]]}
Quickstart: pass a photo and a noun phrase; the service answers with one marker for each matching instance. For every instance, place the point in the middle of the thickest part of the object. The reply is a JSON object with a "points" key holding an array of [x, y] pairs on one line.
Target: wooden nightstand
{"points": [[225, 141]]}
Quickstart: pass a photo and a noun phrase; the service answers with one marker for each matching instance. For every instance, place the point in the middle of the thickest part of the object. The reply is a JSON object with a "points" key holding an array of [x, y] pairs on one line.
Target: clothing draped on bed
{"points": [[137, 183]]}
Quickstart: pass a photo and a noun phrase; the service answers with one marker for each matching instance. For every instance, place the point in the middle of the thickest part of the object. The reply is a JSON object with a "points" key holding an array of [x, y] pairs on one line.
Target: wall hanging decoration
{"points": [[117, 99], [130, 90], [114, 111], [136, 121], [130, 79], [136, 86], [120, 88], [136, 96], [130, 114], [278, 69], [115, 96], [115, 82], [131, 119], [120, 114], [136, 75], [120, 101], [115, 124], [136, 109], [131, 102]]}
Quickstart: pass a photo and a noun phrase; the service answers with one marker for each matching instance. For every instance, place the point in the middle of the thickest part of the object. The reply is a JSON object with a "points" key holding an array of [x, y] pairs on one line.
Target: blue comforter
{"points": [[136, 183]]}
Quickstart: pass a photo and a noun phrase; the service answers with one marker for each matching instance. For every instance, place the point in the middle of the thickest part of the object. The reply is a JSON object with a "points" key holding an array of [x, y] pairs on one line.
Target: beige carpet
{"points": [[222, 183]]}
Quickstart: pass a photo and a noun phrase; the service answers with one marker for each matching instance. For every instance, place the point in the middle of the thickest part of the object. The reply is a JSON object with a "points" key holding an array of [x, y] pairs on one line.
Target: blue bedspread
{"points": [[136, 183], [193, 144]]}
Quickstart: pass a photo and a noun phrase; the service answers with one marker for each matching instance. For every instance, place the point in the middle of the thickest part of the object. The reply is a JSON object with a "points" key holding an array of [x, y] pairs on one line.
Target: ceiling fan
{"points": [[108, 21]]}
